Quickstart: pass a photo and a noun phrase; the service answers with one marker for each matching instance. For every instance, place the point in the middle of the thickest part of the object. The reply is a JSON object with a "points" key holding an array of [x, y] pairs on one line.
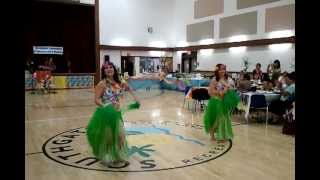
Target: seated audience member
{"points": [[288, 92], [244, 84], [256, 78], [267, 84], [257, 73], [287, 97], [241, 74], [282, 80]]}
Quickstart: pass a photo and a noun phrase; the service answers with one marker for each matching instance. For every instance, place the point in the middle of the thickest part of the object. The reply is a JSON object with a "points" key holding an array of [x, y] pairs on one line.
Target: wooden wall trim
{"points": [[97, 41], [258, 42]]}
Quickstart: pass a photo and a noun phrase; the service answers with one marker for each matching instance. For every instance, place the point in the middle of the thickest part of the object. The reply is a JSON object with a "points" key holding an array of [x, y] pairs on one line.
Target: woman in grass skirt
{"points": [[105, 131], [217, 117]]}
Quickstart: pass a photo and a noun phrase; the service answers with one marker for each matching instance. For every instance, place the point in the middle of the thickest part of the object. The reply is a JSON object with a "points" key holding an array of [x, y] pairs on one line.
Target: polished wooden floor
{"points": [[257, 152]]}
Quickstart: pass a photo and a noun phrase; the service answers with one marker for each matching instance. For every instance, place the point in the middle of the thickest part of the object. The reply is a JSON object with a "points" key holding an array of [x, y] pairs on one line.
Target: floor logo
{"points": [[151, 148]]}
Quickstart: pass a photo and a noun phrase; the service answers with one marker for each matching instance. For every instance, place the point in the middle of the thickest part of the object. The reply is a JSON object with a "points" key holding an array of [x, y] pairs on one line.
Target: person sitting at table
{"points": [[267, 84], [280, 83], [241, 76], [244, 84], [282, 80], [256, 79], [287, 97], [257, 73]]}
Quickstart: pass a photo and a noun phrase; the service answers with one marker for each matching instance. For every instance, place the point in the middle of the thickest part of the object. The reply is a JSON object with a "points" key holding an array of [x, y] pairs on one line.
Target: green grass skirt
{"points": [[217, 116], [106, 133]]}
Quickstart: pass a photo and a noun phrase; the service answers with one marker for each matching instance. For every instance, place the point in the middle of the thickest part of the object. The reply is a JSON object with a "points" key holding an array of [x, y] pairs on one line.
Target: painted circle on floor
{"points": [[151, 148]]}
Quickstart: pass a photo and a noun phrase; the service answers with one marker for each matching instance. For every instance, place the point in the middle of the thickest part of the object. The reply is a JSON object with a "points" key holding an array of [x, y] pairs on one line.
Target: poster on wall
{"points": [[47, 50]]}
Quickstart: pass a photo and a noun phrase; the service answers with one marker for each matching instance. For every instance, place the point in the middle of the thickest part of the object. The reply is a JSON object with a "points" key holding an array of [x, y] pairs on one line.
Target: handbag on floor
{"points": [[289, 122]]}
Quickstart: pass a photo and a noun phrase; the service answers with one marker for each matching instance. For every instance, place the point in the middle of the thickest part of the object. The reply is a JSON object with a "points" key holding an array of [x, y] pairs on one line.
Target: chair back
{"points": [[258, 101], [200, 94], [186, 90]]}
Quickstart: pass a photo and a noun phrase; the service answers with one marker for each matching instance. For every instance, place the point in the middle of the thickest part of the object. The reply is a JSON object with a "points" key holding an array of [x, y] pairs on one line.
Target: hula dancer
{"points": [[163, 80], [105, 131], [217, 117]]}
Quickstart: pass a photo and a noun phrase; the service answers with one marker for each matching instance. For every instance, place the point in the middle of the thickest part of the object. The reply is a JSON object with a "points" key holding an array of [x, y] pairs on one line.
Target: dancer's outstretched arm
{"points": [[167, 81]]}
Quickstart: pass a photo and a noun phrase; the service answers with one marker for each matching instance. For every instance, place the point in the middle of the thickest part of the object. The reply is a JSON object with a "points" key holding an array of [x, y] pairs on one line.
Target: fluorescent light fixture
{"points": [[280, 47], [280, 34], [121, 42], [159, 44], [238, 38], [206, 52], [206, 41], [238, 49]]}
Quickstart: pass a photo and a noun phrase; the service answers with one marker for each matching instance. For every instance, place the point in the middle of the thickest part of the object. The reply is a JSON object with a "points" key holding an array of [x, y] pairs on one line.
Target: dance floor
{"points": [[166, 141]]}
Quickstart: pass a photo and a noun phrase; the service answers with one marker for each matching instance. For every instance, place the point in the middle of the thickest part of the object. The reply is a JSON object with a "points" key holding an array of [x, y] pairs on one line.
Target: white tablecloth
{"points": [[270, 96]]}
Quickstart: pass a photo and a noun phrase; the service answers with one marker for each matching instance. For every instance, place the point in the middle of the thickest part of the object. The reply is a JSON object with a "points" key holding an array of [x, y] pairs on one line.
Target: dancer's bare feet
{"points": [[118, 164]]}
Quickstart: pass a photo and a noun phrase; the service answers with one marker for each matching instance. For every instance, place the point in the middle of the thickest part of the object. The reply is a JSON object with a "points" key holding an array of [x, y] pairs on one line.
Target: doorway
{"points": [[189, 62], [127, 65]]}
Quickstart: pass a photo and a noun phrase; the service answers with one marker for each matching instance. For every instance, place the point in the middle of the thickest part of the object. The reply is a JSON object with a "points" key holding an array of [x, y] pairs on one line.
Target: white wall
{"points": [[177, 60], [234, 60], [230, 9], [115, 57], [209, 58], [183, 15], [125, 22]]}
